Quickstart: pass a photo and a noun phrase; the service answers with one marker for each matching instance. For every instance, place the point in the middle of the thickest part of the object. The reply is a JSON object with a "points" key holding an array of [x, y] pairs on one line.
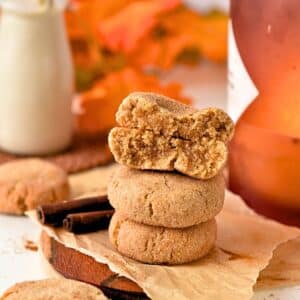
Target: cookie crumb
{"points": [[30, 245]]}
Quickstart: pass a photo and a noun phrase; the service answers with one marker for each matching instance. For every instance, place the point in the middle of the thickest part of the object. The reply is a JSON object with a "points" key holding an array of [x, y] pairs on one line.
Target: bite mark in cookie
{"points": [[160, 134]]}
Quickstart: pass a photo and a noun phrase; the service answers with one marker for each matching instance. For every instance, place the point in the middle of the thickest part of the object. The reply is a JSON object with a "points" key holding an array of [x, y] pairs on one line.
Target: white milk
{"points": [[36, 79]]}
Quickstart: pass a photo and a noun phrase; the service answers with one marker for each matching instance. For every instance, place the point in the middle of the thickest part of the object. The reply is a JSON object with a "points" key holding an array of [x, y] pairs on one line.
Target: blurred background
{"points": [[178, 48]]}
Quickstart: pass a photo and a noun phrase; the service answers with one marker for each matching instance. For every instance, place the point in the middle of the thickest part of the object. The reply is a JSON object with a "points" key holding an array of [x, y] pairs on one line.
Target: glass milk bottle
{"points": [[36, 78], [264, 98]]}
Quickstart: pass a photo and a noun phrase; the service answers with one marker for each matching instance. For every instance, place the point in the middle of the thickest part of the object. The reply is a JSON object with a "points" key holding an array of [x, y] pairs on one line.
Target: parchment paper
{"points": [[91, 182], [244, 247], [284, 267]]}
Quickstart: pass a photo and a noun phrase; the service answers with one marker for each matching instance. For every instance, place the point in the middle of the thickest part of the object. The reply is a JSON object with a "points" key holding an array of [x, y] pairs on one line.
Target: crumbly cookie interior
{"points": [[163, 116], [144, 149]]}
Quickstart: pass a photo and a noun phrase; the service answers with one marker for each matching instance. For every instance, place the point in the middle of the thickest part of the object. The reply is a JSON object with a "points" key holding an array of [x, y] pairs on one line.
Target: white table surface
{"points": [[208, 85]]}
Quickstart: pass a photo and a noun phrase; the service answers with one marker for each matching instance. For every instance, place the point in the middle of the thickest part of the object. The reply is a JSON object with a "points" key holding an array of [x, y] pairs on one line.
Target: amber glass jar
{"points": [[264, 98]]}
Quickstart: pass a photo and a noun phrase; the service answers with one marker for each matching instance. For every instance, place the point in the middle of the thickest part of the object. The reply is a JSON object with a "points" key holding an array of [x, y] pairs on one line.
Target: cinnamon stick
{"points": [[54, 214], [88, 222]]}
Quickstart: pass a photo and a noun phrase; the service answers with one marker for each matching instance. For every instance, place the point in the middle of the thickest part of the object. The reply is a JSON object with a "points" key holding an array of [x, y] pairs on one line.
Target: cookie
{"points": [[27, 183], [163, 115], [159, 245], [53, 289], [158, 133], [165, 199], [147, 151]]}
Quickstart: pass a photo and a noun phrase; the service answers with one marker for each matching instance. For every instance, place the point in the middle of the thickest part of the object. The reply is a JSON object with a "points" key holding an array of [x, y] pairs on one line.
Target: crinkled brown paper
{"points": [[244, 247], [284, 267]]}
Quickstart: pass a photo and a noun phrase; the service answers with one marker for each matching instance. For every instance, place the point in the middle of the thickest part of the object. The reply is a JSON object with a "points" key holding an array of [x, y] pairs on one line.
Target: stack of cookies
{"points": [[169, 188]]}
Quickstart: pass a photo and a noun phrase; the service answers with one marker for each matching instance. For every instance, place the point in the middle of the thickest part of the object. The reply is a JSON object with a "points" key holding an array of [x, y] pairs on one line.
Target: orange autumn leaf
{"points": [[109, 35], [162, 54], [204, 36], [83, 16], [96, 107], [207, 34], [124, 30], [214, 42], [82, 20]]}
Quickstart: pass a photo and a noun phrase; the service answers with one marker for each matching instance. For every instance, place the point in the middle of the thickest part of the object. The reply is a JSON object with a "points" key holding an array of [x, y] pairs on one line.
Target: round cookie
{"points": [[159, 245], [27, 183], [54, 289], [165, 199]]}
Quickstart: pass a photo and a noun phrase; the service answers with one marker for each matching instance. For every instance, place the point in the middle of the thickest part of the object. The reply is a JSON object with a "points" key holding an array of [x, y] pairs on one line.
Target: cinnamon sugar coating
{"points": [[165, 199], [159, 245]]}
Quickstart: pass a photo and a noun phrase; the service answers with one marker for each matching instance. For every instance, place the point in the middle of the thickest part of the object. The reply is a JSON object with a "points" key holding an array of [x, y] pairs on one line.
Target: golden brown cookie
{"points": [[53, 289], [159, 245], [163, 115], [158, 133], [27, 183], [165, 199]]}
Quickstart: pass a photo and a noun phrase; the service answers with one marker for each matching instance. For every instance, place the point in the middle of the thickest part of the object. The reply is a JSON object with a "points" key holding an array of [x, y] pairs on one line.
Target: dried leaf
{"points": [[123, 31], [170, 41], [109, 35], [96, 107]]}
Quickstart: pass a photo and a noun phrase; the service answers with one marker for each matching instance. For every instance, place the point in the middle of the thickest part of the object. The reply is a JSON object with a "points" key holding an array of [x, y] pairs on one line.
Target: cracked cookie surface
{"points": [[164, 198], [159, 245], [27, 183], [158, 133]]}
